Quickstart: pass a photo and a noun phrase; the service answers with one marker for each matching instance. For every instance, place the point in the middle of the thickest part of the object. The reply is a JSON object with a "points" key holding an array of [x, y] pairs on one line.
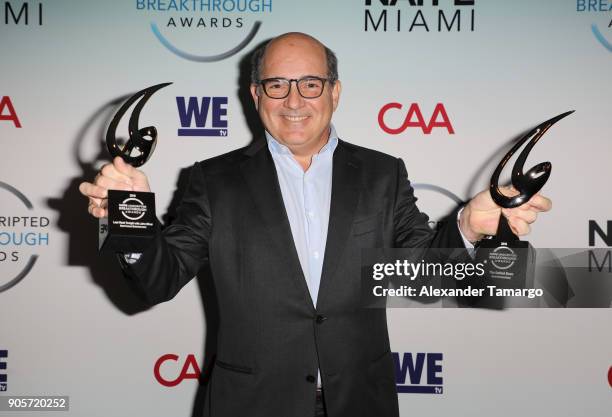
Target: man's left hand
{"points": [[480, 216]]}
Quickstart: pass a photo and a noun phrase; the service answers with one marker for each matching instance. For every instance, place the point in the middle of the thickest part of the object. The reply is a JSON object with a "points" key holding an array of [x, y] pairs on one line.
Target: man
{"points": [[282, 223]]}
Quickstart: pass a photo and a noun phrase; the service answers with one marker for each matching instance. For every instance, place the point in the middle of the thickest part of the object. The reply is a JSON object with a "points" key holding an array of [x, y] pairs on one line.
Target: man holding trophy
{"points": [[281, 223]]}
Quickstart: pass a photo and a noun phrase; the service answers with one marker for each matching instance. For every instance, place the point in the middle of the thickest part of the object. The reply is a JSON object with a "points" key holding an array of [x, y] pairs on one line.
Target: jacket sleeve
{"points": [[177, 253], [411, 225]]}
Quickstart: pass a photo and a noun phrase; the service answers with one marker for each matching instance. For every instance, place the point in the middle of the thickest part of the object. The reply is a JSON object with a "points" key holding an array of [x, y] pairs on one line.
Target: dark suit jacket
{"points": [[271, 338]]}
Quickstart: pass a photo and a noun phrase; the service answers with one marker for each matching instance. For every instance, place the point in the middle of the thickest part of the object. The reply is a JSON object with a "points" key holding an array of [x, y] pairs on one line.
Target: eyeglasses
{"points": [[308, 87]]}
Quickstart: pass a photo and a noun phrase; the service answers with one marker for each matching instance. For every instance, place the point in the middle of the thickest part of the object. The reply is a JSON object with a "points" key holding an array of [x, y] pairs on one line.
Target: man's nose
{"points": [[294, 100]]}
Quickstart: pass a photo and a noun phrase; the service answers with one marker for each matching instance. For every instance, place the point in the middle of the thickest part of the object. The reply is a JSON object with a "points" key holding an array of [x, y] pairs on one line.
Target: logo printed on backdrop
{"points": [[23, 13], [419, 373], [419, 16], [599, 260], [610, 376], [413, 117], [7, 111], [203, 16], [602, 11], [206, 116], [448, 201], [189, 369], [3, 375], [21, 234]]}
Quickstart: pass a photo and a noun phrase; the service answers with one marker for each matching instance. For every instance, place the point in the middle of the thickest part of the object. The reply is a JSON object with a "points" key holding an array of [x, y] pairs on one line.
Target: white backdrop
{"points": [[71, 326]]}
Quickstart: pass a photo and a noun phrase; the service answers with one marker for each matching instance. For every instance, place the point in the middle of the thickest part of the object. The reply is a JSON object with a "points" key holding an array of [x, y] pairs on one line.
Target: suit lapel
{"points": [[261, 178], [346, 177]]}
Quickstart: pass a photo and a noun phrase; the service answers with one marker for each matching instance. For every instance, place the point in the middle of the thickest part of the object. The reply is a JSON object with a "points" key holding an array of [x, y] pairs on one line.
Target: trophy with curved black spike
{"points": [[131, 214], [509, 261]]}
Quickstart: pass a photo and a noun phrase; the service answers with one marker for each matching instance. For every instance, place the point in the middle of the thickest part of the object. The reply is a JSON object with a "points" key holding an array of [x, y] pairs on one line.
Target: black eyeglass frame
{"points": [[297, 81]]}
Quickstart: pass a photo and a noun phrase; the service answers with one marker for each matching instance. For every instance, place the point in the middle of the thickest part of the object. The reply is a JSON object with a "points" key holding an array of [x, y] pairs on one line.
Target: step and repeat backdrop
{"points": [[444, 84]]}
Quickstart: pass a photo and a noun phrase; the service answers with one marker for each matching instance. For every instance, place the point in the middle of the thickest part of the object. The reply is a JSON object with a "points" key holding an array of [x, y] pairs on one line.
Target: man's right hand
{"points": [[116, 176]]}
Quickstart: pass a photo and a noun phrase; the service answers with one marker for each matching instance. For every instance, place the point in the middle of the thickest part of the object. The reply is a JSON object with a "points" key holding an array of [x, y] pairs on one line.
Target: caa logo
{"points": [[204, 117], [3, 377], [418, 374], [189, 369], [414, 118], [7, 111]]}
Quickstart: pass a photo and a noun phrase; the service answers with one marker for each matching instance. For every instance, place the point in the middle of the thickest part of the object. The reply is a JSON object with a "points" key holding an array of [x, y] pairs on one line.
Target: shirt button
{"points": [[311, 214], [320, 319], [311, 379]]}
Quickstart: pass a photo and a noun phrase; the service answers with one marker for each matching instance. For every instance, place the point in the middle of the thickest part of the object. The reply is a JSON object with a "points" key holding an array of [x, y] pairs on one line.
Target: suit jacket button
{"points": [[311, 379], [320, 319]]}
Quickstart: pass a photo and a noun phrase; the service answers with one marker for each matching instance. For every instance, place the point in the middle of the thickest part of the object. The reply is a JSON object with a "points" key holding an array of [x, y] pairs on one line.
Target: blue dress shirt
{"points": [[307, 198]]}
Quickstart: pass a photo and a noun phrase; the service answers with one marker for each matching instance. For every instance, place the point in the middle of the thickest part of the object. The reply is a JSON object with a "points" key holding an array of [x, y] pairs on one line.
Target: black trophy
{"points": [[131, 214], [510, 262]]}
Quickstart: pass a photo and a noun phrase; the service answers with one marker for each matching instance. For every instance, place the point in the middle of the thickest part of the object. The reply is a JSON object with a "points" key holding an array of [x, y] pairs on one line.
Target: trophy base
{"points": [[130, 224], [508, 265]]}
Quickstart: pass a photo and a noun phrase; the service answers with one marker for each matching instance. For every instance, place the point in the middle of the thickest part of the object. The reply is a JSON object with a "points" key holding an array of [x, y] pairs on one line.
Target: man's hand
{"points": [[481, 215], [115, 176]]}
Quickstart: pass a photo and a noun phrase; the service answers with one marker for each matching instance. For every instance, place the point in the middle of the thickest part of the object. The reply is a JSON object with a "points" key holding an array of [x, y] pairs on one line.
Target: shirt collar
{"points": [[278, 148]]}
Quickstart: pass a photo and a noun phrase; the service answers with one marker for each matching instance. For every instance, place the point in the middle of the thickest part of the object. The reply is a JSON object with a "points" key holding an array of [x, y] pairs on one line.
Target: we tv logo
{"points": [[419, 373], [202, 116]]}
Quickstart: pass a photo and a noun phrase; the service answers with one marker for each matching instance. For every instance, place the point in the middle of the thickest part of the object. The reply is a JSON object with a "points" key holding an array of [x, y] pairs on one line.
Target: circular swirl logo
{"points": [[22, 234]]}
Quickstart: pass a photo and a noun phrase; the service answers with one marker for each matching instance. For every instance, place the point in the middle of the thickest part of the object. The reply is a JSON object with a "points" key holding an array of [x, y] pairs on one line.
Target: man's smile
{"points": [[294, 118]]}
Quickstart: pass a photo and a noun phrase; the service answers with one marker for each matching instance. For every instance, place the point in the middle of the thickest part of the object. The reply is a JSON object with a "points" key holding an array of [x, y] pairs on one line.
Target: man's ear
{"points": [[336, 93], [255, 94]]}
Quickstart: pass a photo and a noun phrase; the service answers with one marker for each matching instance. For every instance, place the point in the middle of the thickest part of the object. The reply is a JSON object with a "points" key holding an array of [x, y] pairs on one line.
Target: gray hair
{"points": [[257, 63]]}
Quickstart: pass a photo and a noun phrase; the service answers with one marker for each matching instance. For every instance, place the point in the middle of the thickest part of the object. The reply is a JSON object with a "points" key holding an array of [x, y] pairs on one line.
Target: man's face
{"points": [[297, 122]]}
